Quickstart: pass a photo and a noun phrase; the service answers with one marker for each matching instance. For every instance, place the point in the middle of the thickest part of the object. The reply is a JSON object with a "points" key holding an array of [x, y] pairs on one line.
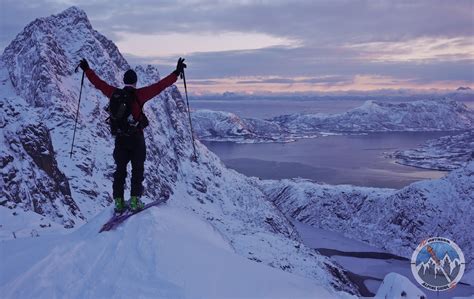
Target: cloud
{"points": [[313, 21], [445, 49], [181, 43], [320, 62], [324, 80], [321, 43]]}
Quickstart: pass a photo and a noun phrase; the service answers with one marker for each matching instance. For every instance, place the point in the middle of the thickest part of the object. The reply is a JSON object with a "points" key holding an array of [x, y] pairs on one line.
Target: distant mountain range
{"points": [[372, 116]]}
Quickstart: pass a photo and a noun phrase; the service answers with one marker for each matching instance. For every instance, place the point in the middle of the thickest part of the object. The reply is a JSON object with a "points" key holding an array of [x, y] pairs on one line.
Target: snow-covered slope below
{"points": [[396, 286], [396, 221], [445, 153], [163, 253]]}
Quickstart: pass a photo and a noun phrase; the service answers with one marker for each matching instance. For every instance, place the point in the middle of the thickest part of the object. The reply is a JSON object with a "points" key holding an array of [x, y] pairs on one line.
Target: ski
{"points": [[116, 220]]}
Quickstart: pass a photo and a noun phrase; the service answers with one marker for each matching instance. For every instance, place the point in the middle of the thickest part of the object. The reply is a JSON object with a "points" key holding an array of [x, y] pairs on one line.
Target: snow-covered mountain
{"points": [[225, 126], [429, 268], [39, 97], [445, 153], [372, 116], [395, 220]]}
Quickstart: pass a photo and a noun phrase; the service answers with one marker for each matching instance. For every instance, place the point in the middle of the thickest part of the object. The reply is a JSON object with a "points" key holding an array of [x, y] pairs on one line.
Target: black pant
{"points": [[129, 148]]}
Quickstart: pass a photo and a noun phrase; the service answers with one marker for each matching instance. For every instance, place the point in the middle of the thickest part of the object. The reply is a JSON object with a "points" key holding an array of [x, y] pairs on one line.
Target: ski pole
{"points": [[77, 112], [189, 113]]}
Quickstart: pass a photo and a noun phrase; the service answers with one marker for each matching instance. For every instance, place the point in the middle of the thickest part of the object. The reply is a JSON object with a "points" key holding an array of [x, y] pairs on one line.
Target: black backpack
{"points": [[121, 120]]}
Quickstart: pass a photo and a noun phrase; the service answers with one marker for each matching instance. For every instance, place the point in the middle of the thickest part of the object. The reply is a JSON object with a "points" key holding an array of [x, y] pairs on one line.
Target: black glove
{"points": [[84, 65], [180, 67]]}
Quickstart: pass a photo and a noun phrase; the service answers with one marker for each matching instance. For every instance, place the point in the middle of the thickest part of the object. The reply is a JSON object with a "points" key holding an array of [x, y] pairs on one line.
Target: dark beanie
{"points": [[130, 77]]}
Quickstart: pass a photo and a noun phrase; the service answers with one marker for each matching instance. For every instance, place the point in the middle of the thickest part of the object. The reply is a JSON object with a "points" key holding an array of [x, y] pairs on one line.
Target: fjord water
{"points": [[345, 159], [342, 159]]}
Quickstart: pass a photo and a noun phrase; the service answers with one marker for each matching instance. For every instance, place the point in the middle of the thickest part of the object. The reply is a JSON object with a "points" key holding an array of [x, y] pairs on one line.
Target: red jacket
{"points": [[143, 94]]}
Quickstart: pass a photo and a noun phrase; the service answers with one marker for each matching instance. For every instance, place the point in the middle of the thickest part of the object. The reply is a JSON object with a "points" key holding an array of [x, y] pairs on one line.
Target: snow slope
{"points": [[163, 253], [396, 286]]}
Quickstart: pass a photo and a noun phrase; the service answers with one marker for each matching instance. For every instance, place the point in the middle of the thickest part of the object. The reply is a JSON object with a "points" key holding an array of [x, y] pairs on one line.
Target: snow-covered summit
{"points": [[50, 48]]}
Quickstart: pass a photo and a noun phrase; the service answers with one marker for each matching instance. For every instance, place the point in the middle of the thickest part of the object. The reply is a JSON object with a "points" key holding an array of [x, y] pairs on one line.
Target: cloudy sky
{"points": [[284, 46]]}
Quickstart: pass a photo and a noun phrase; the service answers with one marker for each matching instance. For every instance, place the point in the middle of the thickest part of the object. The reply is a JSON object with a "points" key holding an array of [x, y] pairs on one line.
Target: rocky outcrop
{"points": [[30, 173], [445, 153]]}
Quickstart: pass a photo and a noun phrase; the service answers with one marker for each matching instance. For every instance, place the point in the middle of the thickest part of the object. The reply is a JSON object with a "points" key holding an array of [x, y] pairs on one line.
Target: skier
{"points": [[129, 139]]}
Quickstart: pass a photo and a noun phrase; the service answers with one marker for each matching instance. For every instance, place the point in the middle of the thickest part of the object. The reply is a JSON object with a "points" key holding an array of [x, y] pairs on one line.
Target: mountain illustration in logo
{"points": [[438, 264], [433, 274]]}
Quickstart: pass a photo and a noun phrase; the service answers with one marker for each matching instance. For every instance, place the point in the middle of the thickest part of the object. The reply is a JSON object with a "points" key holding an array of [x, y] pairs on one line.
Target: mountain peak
{"points": [[50, 48], [73, 11], [72, 16]]}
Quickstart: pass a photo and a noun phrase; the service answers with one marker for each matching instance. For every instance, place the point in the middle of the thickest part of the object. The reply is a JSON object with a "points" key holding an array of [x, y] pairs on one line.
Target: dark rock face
{"points": [[37, 143], [30, 173]]}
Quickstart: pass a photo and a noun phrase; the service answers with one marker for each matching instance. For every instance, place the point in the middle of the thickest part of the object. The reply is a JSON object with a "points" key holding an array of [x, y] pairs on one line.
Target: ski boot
{"points": [[136, 204], [120, 206]]}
